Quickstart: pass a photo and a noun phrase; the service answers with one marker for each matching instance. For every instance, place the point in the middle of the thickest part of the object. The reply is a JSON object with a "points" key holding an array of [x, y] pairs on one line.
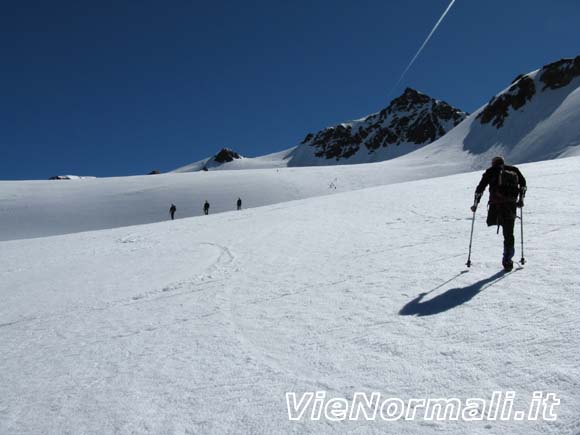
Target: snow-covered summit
{"points": [[225, 155], [536, 118]]}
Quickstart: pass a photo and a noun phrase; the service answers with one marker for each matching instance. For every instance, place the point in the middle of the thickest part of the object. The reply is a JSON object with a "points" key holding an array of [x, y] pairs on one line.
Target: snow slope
{"points": [[202, 325], [42, 208]]}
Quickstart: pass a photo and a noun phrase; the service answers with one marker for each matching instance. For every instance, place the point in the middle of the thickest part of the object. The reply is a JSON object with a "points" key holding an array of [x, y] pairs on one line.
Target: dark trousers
{"points": [[172, 215], [507, 226], [504, 215], [206, 211]]}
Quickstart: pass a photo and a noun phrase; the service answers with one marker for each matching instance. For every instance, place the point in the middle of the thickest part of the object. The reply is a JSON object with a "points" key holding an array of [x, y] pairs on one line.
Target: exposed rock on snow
{"points": [[560, 73], [69, 177], [553, 76], [498, 108], [226, 155], [412, 118]]}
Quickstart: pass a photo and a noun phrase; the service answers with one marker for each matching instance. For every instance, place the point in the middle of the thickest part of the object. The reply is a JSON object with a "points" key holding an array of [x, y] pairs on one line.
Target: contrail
{"points": [[423, 45]]}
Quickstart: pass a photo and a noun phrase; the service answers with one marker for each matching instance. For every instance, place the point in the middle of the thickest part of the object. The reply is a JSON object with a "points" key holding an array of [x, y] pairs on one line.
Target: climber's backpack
{"points": [[508, 184]]}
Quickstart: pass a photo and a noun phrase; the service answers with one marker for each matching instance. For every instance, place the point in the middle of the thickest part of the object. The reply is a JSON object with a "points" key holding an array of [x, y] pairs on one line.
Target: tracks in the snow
{"points": [[199, 283]]}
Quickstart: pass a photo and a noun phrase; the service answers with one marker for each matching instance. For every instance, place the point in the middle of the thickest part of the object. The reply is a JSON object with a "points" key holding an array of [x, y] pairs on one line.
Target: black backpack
{"points": [[508, 184]]}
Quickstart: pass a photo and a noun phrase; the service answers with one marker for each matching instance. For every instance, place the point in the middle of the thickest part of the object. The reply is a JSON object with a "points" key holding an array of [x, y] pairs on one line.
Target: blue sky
{"points": [[124, 87]]}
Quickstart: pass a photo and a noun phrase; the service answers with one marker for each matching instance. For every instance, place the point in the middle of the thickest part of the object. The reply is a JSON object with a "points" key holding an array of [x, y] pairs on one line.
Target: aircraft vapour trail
{"points": [[423, 45]]}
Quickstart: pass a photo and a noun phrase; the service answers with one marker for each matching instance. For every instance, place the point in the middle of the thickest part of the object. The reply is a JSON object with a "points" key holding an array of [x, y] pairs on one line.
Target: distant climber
{"points": [[172, 211], [507, 189], [239, 203], [206, 208]]}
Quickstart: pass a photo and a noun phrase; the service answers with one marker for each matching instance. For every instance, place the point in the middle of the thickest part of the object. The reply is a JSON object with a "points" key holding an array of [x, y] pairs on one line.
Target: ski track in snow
{"points": [[201, 325]]}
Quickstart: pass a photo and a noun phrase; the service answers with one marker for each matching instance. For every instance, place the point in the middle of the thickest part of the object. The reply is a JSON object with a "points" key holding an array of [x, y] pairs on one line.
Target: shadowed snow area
{"points": [[202, 325]]}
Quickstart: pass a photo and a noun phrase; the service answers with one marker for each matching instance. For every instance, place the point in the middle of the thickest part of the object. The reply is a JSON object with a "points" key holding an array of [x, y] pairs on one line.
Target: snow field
{"points": [[202, 325]]}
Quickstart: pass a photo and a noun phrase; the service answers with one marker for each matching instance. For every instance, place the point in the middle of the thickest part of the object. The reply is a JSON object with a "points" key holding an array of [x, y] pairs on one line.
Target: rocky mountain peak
{"points": [[409, 99], [413, 118]]}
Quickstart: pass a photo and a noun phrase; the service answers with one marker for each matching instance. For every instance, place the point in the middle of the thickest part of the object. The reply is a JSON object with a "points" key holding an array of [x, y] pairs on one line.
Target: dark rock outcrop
{"points": [[308, 137], [226, 155], [561, 73], [412, 118], [553, 76], [517, 96]]}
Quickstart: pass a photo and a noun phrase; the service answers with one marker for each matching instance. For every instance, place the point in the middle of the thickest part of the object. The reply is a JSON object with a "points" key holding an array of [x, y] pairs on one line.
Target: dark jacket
{"points": [[500, 207]]}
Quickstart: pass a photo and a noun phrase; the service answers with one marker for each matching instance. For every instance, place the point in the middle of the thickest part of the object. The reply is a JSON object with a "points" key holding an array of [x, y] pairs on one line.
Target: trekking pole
{"points": [[523, 260], [475, 202], [468, 264], [523, 190]]}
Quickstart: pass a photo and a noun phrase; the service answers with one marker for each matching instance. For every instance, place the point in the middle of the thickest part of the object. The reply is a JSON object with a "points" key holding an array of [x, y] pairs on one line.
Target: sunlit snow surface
{"points": [[201, 325]]}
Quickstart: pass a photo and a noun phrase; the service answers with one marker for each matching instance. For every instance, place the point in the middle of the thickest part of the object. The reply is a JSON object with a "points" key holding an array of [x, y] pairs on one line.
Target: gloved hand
{"points": [[476, 201], [520, 203]]}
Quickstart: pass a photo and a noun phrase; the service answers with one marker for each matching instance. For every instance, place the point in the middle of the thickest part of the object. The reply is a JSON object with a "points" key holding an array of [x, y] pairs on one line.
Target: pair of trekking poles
{"points": [[521, 217]]}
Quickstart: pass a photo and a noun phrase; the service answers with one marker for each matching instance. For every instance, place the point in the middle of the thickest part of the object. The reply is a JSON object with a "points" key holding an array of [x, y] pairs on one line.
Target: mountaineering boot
{"points": [[508, 265], [507, 262]]}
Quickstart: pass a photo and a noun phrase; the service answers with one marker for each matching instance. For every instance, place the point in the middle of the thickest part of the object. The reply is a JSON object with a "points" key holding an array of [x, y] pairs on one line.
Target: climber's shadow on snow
{"points": [[450, 299]]}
